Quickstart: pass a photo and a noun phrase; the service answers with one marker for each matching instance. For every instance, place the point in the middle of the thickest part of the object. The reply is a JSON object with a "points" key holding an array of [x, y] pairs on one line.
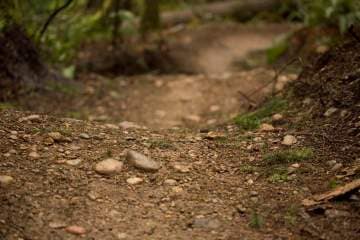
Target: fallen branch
{"points": [[339, 191]]}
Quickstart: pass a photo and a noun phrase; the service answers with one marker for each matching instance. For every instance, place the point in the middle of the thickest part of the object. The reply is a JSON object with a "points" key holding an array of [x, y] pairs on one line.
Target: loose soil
{"points": [[224, 188]]}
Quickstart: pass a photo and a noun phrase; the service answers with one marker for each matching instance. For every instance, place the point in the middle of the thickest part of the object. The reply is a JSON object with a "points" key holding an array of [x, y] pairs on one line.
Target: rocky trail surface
{"points": [[161, 160]]}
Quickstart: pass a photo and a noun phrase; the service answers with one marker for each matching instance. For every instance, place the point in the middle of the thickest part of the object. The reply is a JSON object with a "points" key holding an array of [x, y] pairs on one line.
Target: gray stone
{"points": [[134, 180], [142, 162], [84, 136]]}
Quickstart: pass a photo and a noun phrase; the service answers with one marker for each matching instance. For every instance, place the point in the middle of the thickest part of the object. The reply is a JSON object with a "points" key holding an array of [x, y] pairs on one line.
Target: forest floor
{"points": [[204, 176]]}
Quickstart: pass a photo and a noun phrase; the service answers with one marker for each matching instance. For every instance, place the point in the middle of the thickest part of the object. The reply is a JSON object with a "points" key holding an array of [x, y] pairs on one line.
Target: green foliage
{"points": [[333, 184], [277, 50], [256, 220], [341, 13], [289, 156], [278, 177], [252, 120]]}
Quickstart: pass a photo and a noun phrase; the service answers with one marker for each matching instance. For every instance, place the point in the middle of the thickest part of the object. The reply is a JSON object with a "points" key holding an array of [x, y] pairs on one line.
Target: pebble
{"points": [[182, 168], [330, 112], [84, 136], [250, 181], [277, 117], [122, 236], [13, 137], [331, 163], [241, 209], [49, 141], [337, 167], [177, 189], [127, 125], [5, 180], [265, 127], [334, 213], [289, 140], [134, 180], [33, 117], [109, 166], [73, 162], [253, 193], [76, 230], [56, 136], [142, 162], [170, 182], [206, 223], [215, 108], [111, 126], [34, 155], [57, 225]]}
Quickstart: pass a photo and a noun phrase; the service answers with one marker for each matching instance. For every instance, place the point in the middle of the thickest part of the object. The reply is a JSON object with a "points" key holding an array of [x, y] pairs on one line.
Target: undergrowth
{"points": [[252, 120], [288, 156]]}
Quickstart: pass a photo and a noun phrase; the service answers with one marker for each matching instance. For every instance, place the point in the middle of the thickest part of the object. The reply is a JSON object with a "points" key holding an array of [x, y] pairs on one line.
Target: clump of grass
{"points": [[5, 106], [256, 220], [333, 184], [289, 156], [252, 120], [278, 177], [247, 169]]}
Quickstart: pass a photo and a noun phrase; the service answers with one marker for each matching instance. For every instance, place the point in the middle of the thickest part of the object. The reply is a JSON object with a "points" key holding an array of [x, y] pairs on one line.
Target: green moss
{"points": [[289, 156], [252, 120]]}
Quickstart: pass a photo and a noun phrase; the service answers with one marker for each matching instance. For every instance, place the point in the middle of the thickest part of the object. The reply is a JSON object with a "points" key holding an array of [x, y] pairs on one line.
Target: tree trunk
{"points": [[151, 17]]}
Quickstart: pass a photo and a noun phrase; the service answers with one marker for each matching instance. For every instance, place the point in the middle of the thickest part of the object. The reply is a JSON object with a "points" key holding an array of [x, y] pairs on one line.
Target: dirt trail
{"points": [[210, 96], [211, 185]]}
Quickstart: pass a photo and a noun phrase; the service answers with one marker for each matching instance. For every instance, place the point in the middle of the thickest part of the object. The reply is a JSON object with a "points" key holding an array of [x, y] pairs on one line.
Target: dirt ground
{"points": [[216, 181]]}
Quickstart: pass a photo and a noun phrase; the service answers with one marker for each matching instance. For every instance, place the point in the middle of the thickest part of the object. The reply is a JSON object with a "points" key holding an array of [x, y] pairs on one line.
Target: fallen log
{"points": [[219, 9]]}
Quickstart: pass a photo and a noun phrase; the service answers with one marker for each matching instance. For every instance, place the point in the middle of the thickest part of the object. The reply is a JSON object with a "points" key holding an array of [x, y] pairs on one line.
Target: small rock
{"points": [[122, 236], [193, 118], [214, 108], [330, 112], [13, 137], [250, 181], [33, 117], [241, 209], [277, 117], [214, 135], [134, 180], [170, 182], [289, 140], [109, 166], [127, 125], [336, 167], [291, 170], [56, 136], [253, 193], [34, 155], [49, 141], [354, 197], [307, 101], [206, 223], [6, 181], [182, 168], [76, 230], [177, 189], [295, 165], [57, 225], [84, 136], [331, 163], [73, 162], [265, 127], [140, 161], [111, 126], [334, 213], [254, 199]]}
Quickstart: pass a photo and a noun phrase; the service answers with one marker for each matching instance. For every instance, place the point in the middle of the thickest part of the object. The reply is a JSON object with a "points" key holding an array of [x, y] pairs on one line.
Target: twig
{"points": [[52, 17]]}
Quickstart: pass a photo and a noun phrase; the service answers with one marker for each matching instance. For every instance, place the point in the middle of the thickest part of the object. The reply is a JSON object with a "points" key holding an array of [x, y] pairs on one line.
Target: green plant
{"points": [[278, 178], [252, 120], [277, 50], [333, 184], [340, 13], [288, 156], [256, 220]]}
